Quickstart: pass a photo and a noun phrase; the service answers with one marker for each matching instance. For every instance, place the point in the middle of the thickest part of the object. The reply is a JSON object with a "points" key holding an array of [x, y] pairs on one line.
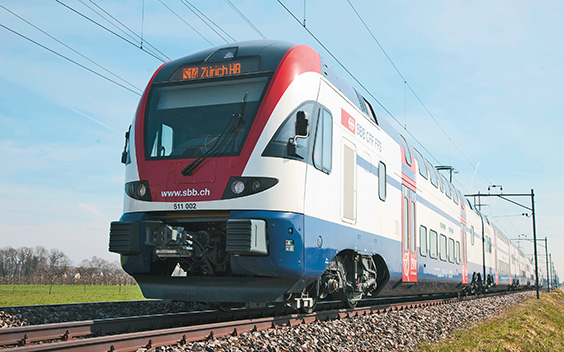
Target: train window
{"points": [[406, 149], [433, 241], [361, 102], [440, 177], [278, 145], [382, 182], [446, 185], [432, 174], [457, 253], [443, 248], [371, 111], [413, 241], [162, 145], [323, 146], [472, 234], [462, 199], [201, 116], [488, 245], [422, 167], [423, 240], [451, 250], [455, 194], [405, 224]]}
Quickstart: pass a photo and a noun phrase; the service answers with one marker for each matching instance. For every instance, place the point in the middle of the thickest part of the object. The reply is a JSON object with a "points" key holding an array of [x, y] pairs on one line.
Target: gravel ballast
{"points": [[33, 315], [391, 331]]}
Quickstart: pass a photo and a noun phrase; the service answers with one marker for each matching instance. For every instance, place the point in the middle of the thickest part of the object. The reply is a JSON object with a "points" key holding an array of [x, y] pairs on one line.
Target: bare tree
{"points": [[41, 266], [58, 265]]}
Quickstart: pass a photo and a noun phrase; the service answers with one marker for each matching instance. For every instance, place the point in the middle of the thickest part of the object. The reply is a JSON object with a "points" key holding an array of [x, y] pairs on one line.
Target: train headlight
{"points": [[237, 187], [141, 190], [138, 190], [255, 185], [245, 186]]}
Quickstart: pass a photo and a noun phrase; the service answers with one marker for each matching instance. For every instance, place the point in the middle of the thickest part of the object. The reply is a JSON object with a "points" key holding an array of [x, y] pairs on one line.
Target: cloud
{"points": [[92, 119], [93, 209]]}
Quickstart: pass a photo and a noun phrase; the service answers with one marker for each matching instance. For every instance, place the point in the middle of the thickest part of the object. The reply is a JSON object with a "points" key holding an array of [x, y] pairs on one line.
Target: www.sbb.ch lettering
{"points": [[190, 192]]}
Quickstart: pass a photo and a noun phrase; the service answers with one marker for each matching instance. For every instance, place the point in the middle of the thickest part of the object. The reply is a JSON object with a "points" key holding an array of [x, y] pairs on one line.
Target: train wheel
{"points": [[349, 298], [347, 294]]}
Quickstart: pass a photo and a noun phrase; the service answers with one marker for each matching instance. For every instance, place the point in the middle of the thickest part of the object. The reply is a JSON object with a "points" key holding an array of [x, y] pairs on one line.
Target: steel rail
{"points": [[182, 335], [25, 335]]}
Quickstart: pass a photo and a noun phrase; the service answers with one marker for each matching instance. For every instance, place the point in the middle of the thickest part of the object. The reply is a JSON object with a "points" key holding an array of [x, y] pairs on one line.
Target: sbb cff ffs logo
{"points": [[348, 121]]}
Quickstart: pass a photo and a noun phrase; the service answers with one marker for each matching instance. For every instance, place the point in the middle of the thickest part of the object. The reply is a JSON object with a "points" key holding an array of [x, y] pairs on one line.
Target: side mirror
{"points": [[125, 154], [302, 131], [302, 124]]}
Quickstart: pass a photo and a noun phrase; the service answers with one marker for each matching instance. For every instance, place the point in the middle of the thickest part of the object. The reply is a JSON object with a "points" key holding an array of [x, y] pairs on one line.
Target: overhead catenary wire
{"points": [[355, 79], [200, 14], [69, 59], [130, 30], [109, 30], [411, 88], [245, 18], [142, 22], [185, 22], [73, 50], [215, 24], [109, 22]]}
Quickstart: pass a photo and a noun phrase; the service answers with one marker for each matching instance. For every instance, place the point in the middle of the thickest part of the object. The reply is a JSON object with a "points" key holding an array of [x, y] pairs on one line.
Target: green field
{"points": [[23, 295], [533, 325]]}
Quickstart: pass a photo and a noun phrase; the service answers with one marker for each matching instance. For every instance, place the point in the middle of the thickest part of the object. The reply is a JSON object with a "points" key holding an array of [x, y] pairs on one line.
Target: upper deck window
{"points": [[371, 111], [432, 174], [421, 164], [454, 194], [406, 149], [440, 177], [448, 190], [190, 119]]}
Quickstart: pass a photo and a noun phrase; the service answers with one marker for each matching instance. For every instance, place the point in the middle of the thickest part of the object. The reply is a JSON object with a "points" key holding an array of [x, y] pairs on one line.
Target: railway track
{"points": [[132, 333]]}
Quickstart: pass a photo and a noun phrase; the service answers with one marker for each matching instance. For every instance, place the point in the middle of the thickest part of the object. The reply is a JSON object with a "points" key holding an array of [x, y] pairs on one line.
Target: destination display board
{"points": [[218, 69]]}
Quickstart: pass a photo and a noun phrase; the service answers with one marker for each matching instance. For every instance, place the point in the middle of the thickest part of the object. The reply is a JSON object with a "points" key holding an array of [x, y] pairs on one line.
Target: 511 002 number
{"points": [[184, 206]]}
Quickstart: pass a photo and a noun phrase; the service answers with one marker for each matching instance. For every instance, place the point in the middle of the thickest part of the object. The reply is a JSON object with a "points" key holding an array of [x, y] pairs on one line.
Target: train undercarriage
{"points": [[192, 248]]}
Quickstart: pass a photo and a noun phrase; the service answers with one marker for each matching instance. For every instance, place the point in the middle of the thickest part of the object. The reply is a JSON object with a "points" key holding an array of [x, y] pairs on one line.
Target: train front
{"points": [[215, 175]]}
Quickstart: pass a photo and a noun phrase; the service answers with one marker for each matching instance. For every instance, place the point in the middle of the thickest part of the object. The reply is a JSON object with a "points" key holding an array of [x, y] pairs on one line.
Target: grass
{"points": [[533, 325], [23, 295]]}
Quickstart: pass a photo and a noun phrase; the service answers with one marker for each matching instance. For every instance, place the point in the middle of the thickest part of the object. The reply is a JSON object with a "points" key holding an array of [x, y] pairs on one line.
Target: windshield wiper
{"points": [[230, 130]]}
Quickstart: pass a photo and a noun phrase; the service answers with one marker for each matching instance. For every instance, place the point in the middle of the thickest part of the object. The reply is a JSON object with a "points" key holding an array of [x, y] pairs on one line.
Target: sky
{"points": [[478, 85]]}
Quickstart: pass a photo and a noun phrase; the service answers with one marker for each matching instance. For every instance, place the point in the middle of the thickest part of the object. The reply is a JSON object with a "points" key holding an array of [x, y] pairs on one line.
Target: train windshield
{"points": [[189, 120]]}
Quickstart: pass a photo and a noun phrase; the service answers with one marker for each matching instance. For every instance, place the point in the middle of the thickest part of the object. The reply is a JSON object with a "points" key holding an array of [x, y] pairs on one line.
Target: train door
{"points": [[495, 258], [464, 257], [348, 181], [320, 202], [408, 242], [408, 212]]}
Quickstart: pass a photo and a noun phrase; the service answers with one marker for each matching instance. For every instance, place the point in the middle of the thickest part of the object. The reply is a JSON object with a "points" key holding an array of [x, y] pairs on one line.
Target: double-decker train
{"points": [[255, 173]]}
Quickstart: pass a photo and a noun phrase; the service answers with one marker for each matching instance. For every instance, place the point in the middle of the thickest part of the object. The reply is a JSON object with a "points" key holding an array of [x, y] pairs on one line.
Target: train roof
{"points": [[270, 51]]}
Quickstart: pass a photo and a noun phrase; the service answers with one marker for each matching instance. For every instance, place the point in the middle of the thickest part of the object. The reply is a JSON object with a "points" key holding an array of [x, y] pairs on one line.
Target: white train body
{"points": [[345, 208]]}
